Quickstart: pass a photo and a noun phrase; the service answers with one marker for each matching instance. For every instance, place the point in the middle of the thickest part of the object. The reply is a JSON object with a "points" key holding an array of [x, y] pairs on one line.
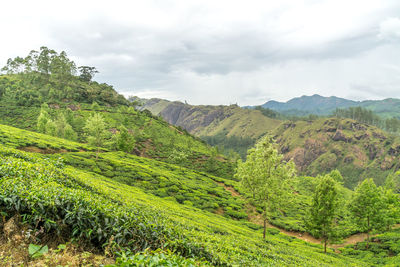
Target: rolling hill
{"points": [[358, 150]]}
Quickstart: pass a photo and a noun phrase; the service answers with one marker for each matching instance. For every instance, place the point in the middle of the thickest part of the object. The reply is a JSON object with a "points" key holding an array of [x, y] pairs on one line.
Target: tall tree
{"points": [[264, 175], [42, 121], [124, 141], [87, 73], [366, 206], [324, 209], [95, 129]]}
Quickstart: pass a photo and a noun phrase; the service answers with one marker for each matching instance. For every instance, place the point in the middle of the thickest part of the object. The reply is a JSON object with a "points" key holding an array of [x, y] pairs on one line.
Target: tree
{"points": [[51, 128], [366, 205], [393, 182], [44, 59], [61, 123], [42, 120], [69, 133], [95, 129], [87, 73], [178, 157], [324, 209], [124, 141], [95, 106], [337, 176], [265, 176]]}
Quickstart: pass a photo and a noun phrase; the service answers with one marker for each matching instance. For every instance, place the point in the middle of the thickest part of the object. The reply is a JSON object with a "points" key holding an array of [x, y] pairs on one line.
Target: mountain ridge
{"points": [[321, 105]]}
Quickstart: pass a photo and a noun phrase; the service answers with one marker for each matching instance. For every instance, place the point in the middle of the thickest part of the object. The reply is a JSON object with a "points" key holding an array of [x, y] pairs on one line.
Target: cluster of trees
{"points": [[95, 130], [371, 207], [48, 61], [55, 126], [48, 76], [230, 145], [367, 116], [266, 177]]}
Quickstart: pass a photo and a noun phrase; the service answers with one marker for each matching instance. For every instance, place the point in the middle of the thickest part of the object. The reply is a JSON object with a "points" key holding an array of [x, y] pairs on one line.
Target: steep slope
{"points": [[359, 151], [218, 125], [47, 81], [211, 120], [153, 137]]}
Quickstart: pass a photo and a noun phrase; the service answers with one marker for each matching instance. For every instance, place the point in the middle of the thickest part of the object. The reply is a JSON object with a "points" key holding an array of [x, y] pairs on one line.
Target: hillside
{"points": [[359, 151], [40, 83], [215, 124], [68, 198]]}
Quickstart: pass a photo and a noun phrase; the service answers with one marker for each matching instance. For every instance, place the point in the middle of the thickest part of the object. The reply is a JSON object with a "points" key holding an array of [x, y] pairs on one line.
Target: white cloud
{"points": [[390, 29]]}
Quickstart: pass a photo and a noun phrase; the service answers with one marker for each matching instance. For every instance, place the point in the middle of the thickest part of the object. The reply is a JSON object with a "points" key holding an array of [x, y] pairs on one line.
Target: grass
{"points": [[383, 250]]}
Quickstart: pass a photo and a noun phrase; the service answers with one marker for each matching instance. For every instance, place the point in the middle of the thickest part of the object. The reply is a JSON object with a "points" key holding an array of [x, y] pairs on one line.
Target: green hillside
{"points": [[358, 150], [86, 205], [229, 127]]}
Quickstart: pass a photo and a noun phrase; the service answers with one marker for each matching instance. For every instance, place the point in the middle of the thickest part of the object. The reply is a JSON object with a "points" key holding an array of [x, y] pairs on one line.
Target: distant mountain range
{"points": [[321, 105]]}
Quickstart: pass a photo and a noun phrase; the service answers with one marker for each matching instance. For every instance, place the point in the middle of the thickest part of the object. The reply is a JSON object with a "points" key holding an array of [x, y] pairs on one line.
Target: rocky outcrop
{"points": [[357, 150], [340, 136], [192, 117]]}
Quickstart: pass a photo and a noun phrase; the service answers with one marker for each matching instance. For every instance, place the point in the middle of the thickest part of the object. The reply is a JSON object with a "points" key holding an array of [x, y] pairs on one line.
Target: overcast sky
{"points": [[219, 52]]}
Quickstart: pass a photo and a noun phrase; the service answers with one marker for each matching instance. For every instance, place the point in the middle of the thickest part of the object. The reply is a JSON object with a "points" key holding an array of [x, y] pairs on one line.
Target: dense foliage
{"points": [[265, 177], [367, 116], [48, 76]]}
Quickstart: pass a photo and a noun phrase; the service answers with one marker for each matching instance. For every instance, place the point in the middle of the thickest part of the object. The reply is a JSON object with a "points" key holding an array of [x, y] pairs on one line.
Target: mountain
{"points": [[320, 105], [314, 104], [229, 126], [357, 150]]}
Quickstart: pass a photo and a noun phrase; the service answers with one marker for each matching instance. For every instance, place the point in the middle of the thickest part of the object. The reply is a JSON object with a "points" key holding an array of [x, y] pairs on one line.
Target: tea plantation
{"points": [[83, 204]]}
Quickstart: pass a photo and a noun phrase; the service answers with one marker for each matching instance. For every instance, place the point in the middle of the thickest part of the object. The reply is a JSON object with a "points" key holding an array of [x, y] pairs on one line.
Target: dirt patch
{"points": [[35, 149], [219, 211], [232, 190], [14, 243]]}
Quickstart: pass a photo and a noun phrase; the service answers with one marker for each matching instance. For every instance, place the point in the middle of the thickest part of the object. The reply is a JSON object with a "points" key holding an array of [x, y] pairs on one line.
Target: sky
{"points": [[219, 52]]}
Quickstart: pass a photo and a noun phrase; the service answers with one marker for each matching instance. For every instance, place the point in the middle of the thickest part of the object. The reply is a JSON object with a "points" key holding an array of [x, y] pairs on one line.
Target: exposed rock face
{"points": [[340, 136], [303, 157], [394, 150], [190, 117]]}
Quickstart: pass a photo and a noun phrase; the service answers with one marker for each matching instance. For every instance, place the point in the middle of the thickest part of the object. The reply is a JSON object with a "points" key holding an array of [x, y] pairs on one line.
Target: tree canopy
{"points": [[264, 175]]}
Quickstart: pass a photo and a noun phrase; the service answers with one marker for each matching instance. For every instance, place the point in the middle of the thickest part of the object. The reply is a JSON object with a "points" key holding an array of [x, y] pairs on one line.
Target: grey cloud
{"points": [[242, 59]]}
